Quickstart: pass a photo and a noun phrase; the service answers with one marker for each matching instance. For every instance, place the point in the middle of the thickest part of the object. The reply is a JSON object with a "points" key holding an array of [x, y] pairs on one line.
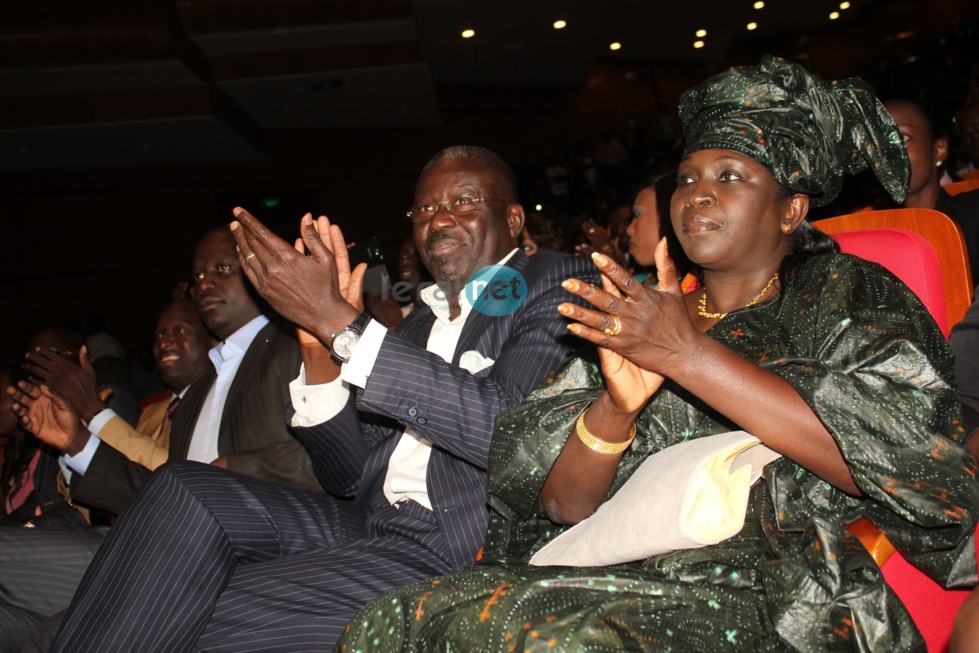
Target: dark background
{"points": [[127, 129]]}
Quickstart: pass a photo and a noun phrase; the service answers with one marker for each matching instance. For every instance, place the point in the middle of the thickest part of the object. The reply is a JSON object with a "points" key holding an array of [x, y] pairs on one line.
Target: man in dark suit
{"points": [[216, 561], [231, 418]]}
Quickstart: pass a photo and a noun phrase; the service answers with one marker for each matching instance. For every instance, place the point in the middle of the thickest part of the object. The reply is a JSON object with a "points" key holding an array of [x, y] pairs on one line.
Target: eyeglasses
{"points": [[458, 207]]}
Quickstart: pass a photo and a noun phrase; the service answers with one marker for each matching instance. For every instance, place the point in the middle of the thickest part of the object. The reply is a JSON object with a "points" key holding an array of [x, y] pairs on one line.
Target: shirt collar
{"points": [[435, 299], [237, 343]]}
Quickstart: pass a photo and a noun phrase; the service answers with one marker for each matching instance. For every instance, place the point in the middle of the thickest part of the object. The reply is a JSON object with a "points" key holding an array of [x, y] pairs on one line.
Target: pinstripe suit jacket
{"points": [[452, 408], [254, 435]]}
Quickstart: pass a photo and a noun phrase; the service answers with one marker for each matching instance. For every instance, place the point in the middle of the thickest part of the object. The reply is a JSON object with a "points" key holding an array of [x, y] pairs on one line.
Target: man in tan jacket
{"points": [[180, 349]]}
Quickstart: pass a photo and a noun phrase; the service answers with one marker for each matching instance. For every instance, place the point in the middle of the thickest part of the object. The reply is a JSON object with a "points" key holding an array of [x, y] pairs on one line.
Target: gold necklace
{"points": [[702, 304]]}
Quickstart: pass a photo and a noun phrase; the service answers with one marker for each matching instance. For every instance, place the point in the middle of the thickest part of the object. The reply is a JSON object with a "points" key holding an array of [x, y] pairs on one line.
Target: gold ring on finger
{"points": [[616, 327]]}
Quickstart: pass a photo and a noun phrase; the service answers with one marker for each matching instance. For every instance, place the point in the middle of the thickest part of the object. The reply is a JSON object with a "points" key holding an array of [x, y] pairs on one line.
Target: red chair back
{"points": [[907, 256], [941, 232]]}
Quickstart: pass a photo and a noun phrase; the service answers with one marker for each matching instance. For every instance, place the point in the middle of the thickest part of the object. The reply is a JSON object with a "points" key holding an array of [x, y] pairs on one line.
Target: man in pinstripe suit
{"points": [[209, 560]]}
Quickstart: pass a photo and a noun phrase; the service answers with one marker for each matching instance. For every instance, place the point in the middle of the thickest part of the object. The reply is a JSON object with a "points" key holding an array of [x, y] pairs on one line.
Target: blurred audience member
{"points": [[607, 240], [927, 150], [19, 449], [612, 158], [967, 127], [541, 232], [114, 375], [650, 223], [411, 275], [45, 505]]}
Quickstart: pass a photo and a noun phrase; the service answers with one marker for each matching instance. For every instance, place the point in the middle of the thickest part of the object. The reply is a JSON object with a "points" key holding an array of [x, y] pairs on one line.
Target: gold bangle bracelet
{"points": [[599, 445]]}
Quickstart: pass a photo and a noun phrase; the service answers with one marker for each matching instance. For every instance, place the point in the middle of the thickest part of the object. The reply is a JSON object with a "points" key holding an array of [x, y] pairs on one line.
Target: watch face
{"points": [[344, 343]]}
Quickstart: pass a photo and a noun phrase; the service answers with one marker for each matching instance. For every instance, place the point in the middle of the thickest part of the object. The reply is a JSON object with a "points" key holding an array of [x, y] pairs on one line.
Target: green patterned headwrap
{"points": [[805, 131]]}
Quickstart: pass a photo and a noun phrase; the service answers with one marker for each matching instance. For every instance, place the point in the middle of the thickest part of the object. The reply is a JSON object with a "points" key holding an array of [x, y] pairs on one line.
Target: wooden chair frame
{"points": [[964, 186]]}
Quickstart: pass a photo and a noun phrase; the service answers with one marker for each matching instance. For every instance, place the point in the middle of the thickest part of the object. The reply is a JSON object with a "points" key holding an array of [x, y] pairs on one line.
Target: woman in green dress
{"points": [[828, 360]]}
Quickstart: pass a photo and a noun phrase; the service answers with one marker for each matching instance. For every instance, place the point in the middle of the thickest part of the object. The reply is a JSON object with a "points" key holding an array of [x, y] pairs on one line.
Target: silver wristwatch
{"points": [[345, 341]]}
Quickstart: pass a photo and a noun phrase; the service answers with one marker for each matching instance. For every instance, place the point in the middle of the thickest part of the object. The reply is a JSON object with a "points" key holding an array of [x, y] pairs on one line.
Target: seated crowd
{"points": [[325, 468]]}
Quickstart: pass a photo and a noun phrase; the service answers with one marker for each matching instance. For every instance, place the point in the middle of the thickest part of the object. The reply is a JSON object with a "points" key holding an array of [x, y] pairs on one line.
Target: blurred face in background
{"points": [[644, 230]]}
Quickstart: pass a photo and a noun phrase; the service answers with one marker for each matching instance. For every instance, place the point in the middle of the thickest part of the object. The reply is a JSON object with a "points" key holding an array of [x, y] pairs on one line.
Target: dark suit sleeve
{"points": [[339, 448], [255, 437], [444, 403], [110, 481]]}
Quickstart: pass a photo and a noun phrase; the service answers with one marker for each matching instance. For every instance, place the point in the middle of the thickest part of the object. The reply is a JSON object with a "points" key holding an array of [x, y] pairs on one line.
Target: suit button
{"points": [[412, 412], [422, 420]]}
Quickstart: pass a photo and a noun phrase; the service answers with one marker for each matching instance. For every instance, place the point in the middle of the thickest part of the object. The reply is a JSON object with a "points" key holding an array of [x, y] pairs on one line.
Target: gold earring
{"points": [[786, 228]]}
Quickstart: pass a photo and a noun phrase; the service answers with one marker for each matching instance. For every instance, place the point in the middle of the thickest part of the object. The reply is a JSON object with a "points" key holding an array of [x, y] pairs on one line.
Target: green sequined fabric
{"points": [[805, 131], [865, 355]]}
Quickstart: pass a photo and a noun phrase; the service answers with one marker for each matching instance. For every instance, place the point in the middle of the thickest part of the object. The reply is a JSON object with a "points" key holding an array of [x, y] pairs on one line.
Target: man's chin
{"points": [[214, 322], [174, 379]]}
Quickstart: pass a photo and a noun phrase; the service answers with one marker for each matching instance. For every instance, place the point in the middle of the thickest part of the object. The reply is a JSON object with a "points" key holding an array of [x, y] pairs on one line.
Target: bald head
{"points": [[474, 153]]}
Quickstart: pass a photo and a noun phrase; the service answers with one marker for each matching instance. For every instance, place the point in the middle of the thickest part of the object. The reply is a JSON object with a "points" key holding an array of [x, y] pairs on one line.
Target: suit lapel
{"points": [[248, 373], [187, 413], [251, 360], [478, 325], [417, 326]]}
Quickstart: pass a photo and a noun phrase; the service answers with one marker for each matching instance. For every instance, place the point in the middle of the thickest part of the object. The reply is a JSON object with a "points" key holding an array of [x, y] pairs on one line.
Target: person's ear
{"points": [[796, 210], [515, 220], [941, 151]]}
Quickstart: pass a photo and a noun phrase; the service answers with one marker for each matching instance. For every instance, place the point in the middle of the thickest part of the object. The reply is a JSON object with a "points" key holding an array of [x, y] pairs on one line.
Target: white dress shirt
{"points": [[227, 357]]}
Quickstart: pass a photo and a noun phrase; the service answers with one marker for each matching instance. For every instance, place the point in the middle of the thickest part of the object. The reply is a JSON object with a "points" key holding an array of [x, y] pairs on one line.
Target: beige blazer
{"points": [[145, 445]]}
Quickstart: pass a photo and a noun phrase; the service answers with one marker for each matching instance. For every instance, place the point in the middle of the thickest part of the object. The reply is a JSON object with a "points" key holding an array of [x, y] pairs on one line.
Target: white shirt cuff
{"points": [[101, 419], [356, 370], [80, 461], [316, 404]]}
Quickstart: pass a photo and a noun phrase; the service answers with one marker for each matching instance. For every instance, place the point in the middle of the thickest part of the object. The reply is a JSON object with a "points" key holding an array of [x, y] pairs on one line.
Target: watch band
{"points": [[360, 322]]}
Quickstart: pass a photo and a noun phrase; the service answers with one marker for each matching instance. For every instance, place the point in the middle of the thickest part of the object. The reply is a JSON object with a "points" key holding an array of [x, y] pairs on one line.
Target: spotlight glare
{"points": [[698, 44], [560, 24], [701, 33], [468, 33], [615, 46], [759, 5], [834, 15], [844, 5], [538, 207], [752, 26]]}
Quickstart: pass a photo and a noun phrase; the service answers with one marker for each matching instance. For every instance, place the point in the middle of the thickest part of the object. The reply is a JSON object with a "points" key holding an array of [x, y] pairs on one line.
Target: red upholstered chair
{"points": [[899, 240], [926, 250]]}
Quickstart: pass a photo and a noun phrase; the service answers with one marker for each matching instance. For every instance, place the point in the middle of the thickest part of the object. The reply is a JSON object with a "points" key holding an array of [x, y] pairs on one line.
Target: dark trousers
{"points": [[40, 568], [205, 559]]}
